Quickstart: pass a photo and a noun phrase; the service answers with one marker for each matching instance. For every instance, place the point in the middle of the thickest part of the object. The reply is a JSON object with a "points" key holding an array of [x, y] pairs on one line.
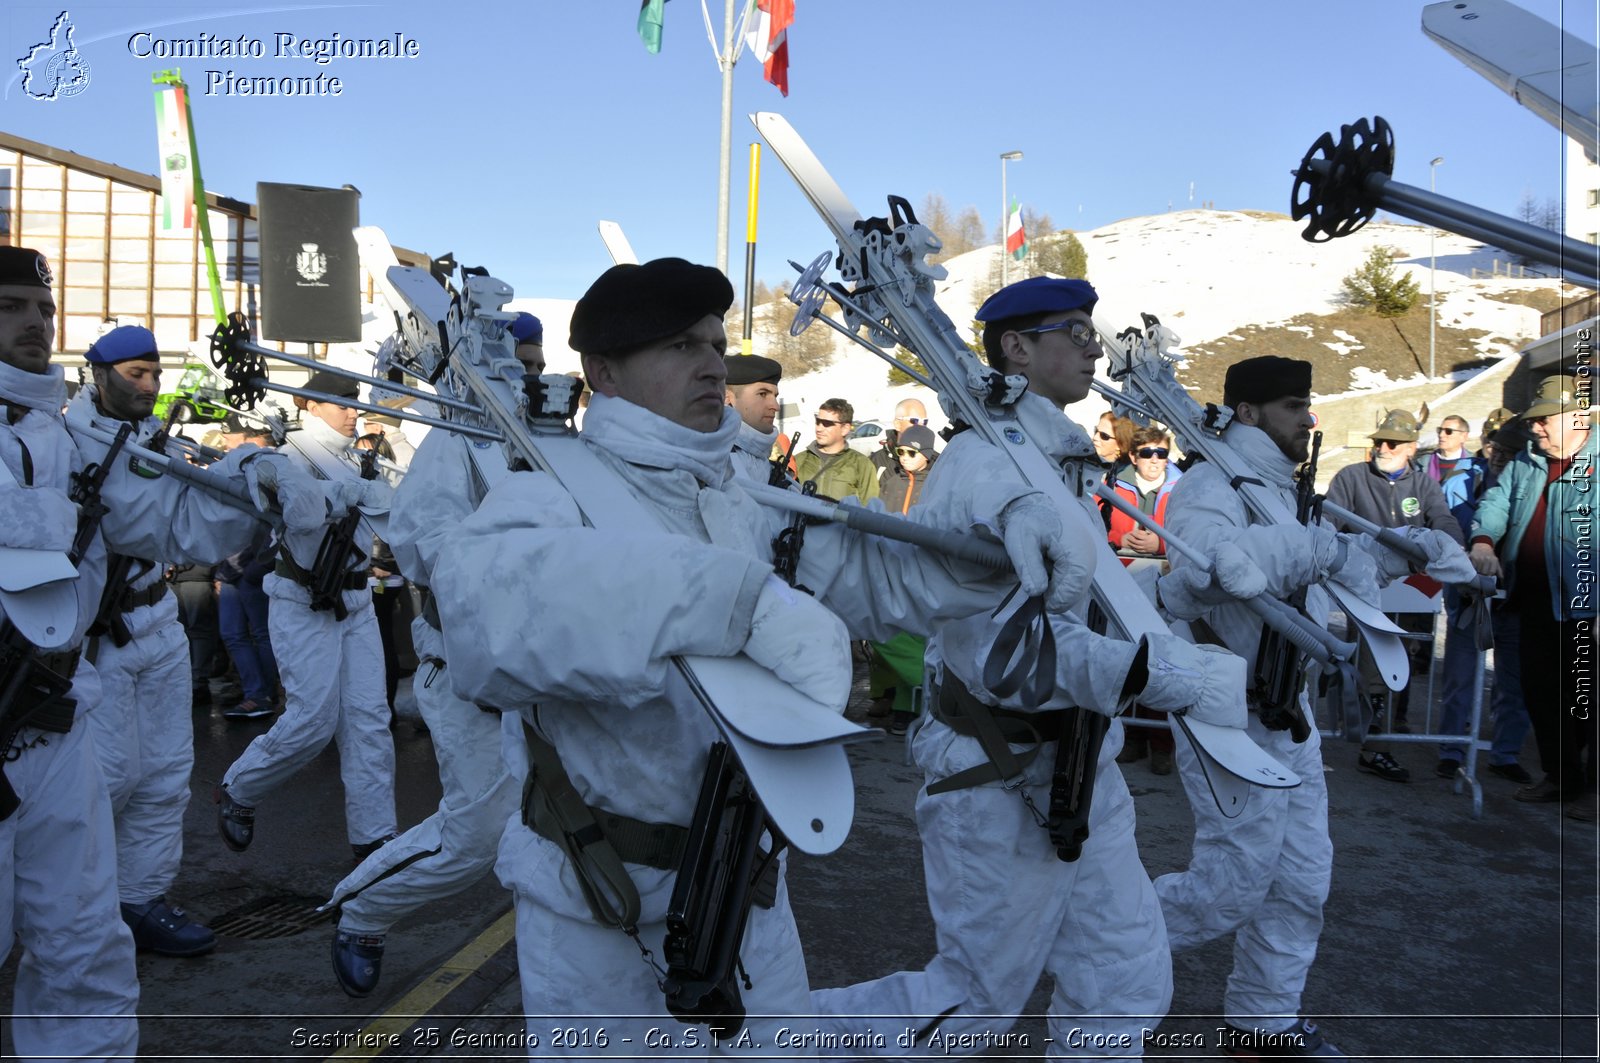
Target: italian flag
{"points": [[1016, 239], [768, 38], [175, 155]]}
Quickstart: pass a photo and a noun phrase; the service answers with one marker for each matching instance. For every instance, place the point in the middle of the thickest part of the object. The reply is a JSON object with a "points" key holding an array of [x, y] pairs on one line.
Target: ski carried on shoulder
{"points": [[888, 291], [791, 747]]}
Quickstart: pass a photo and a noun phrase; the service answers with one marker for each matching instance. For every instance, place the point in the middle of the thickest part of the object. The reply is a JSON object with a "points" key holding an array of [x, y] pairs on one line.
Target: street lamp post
{"points": [[1005, 216], [1433, 170]]}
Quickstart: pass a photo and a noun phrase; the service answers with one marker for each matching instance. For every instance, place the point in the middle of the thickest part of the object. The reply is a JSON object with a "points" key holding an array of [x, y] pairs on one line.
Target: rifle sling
{"points": [[599, 842], [996, 731], [354, 580], [54, 714]]}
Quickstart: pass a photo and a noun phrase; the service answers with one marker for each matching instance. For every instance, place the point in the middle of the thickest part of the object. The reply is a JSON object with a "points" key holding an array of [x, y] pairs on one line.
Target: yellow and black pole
{"points": [[746, 345]]}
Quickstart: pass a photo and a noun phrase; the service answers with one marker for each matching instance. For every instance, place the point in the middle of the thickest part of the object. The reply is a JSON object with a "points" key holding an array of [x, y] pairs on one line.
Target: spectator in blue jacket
{"points": [[1535, 528]]}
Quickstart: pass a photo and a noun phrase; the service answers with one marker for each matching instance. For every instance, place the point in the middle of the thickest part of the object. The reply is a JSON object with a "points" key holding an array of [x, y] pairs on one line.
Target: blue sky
{"points": [[520, 125]]}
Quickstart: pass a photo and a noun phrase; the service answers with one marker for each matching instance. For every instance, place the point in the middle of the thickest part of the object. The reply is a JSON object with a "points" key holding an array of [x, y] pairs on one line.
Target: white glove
{"points": [[37, 518], [373, 496], [801, 642], [1046, 561], [278, 486], [1188, 591], [1447, 562], [1205, 682], [1359, 571]]}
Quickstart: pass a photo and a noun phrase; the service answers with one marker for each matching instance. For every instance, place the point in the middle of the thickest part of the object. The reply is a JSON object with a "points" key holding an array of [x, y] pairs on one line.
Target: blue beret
{"points": [[1038, 295], [123, 344], [527, 329]]}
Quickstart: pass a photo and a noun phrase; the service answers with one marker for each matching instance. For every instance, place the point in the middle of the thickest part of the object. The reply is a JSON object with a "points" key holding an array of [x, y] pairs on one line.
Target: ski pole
{"points": [[1483, 585], [1307, 637], [951, 543]]}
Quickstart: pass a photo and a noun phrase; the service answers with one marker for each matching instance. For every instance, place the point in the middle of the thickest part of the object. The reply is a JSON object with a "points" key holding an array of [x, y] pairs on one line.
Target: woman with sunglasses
{"points": [[897, 665], [1145, 482]]}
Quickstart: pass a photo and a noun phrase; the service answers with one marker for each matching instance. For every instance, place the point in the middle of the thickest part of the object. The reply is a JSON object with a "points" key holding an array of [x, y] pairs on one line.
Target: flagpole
{"points": [[725, 159]]}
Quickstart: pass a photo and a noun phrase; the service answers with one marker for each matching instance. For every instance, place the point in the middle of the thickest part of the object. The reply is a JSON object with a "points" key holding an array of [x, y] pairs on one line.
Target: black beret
{"points": [[24, 265], [1264, 379], [752, 369], [1038, 295], [631, 305], [333, 384]]}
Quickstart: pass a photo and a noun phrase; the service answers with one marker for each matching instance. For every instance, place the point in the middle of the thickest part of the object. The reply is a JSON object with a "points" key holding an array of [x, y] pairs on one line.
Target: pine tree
{"points": [[1376, 285]]}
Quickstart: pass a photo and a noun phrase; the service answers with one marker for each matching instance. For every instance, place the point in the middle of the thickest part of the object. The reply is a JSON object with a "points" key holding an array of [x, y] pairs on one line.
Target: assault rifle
{"points": [[712, 896], [31, 682], [1280, 666], [336, 551]]}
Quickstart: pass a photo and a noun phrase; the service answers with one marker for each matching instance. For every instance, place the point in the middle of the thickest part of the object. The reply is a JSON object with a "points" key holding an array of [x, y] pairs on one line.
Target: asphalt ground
{"points": [[1447, 936]]}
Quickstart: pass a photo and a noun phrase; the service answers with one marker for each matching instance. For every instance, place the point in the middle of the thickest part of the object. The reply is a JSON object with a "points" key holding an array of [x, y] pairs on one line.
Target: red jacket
{"points": [[1122, 524]]}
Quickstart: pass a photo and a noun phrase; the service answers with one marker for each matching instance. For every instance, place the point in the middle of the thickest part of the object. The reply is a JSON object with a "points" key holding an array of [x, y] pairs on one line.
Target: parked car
{"points": [[867, 437]]}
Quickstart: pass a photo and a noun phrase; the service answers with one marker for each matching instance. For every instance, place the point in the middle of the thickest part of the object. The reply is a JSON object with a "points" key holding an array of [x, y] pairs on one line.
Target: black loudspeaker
{"points": [[310, 268]]}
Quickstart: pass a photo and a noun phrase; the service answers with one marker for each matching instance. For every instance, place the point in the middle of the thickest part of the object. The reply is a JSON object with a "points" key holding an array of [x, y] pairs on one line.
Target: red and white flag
{"points": [[768, 39]]}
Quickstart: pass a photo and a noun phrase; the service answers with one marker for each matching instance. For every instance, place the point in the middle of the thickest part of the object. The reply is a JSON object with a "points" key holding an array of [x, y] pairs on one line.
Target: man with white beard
{"points": [[1393, 493], [573, 627]]}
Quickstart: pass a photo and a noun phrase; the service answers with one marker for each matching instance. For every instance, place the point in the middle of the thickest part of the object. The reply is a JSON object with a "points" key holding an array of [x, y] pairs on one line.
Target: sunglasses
{"points": [[906, 452], [1152, 452], [1452, 431], [1082, 334], [823, 422], [1390, 444], [1107, 436]]}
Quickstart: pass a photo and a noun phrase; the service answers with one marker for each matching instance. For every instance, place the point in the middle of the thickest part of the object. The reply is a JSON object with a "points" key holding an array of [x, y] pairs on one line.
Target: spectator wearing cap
{"points": [[528, 333], [752, 391], [907, 412], [613, 734], [1392, 492], [839, 472], [1535, 530], [328, 650], [914, 457]]}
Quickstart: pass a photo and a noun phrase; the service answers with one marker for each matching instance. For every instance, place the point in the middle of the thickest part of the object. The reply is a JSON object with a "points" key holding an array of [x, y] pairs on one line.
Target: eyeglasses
{"points": [[1107, 436], [1082, 333], [823, 422], [1152, 452], [1452, 431], [906, 452]]}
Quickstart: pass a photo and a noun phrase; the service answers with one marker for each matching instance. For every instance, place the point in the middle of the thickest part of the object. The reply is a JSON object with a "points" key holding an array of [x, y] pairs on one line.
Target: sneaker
{"points": [[366, 849], [1302, 1039], [357, 961], [1541, 792], [1160, 762], [1513, 771], [236, 822], [1583, 809], [1447, 768], [900, 722], [1384, 767], [248, 709], [167, 930]]}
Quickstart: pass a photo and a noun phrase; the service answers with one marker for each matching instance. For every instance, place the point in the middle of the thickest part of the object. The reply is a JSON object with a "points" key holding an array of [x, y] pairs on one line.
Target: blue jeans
{"points": [[1511, 722], [242, 616]]}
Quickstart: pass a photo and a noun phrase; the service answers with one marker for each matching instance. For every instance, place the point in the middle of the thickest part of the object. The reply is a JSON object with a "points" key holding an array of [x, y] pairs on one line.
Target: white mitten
{"points": [[801, 642], [1447, 562], [1358, 571], [276, 485], [1046, 558], [372, 496], [1206, 682], [1187, 592], [37, 518]]}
